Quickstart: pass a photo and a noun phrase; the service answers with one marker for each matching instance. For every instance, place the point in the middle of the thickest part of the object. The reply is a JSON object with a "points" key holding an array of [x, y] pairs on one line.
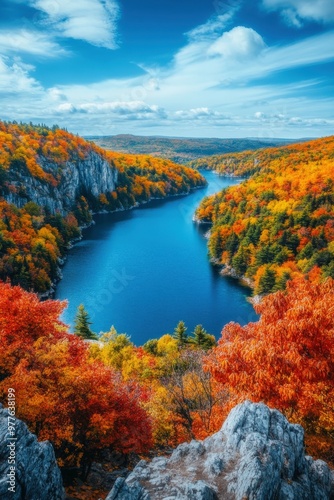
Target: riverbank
{"points": [[229, 270], [244, 281]]}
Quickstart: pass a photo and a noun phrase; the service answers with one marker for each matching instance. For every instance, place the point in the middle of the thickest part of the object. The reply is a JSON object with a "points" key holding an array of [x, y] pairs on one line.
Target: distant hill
{"points": [[182, 149]]}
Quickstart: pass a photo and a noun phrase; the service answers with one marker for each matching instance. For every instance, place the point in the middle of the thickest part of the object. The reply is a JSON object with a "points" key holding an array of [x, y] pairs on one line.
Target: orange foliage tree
{"points": [[77, 403], [279, 223], [32, 239], [286, 359]]}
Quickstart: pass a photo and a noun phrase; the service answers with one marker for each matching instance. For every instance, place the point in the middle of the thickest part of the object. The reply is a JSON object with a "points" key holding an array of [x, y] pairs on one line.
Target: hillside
{"points": [[90, 397], [181, 150], [51, 182], [280, 223]]}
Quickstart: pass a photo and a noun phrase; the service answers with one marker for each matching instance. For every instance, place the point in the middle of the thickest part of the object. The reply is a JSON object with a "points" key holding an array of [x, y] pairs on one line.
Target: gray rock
{"points": [[257, 455], [93, 175], [37, 476]]}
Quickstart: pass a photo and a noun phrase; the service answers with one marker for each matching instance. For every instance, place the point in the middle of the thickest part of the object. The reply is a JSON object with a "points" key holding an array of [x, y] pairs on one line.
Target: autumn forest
{"points": [[88, 392]]}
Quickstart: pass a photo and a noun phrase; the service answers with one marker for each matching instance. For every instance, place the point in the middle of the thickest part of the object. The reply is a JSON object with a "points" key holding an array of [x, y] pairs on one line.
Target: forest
{"points": [[86, 396], [278, 224], [32, 238], [86, 392], [181, 150]]}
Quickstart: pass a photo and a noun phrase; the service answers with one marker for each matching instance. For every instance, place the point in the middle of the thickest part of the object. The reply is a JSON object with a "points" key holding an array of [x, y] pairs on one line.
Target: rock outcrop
{"points": [[93, 175], [36, 475], [257, 455]]}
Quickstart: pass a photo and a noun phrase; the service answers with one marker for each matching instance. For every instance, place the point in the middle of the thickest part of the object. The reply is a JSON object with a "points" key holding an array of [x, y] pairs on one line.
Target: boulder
{"points": [[257, 455], [36, 473]]}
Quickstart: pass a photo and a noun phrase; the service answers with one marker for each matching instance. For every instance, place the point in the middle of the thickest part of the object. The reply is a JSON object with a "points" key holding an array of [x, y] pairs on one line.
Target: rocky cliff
{"points": [[257, 455], [36, 475], [92, 176]]}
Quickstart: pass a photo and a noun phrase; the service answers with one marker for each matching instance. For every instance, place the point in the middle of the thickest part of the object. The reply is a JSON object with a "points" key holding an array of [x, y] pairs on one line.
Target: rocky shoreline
{"points": [[229, 270]]}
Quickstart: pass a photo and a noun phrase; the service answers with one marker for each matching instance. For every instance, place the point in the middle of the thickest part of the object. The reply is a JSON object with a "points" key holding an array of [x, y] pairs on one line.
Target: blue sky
{"points": [[234, 68]]}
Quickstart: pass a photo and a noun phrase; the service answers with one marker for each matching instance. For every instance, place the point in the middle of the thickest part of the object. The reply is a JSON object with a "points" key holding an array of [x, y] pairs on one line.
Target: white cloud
{"points": [[212, 27], [200, 114], [201, 93], [239, 43], [91, 20], [211, 88], [296, 11], [15, 78], [279, 120], [134, 109], [29, 42]]}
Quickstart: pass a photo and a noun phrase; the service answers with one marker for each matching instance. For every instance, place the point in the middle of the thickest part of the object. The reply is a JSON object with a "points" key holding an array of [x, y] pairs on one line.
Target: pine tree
{"points": [[82, 324], [282, 281], [201, 338], [180, 334], [267, 281], [216, 246]]}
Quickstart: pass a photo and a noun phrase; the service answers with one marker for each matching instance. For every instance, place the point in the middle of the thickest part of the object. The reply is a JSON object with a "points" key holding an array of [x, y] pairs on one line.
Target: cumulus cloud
{"points": [[295, 12], [213, 83], [131, 109], [93, 21], [15, 77], [203, 113], [29, 42], [275, 120], [239, 43]]}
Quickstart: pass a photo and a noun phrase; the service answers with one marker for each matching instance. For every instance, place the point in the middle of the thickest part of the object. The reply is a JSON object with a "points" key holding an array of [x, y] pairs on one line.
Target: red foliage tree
{"points": [[79, 404], [286, 359]]}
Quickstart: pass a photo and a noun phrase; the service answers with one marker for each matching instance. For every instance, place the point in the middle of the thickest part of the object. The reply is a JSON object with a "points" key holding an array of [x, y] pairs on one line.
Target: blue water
{"points": [[146, 269]]}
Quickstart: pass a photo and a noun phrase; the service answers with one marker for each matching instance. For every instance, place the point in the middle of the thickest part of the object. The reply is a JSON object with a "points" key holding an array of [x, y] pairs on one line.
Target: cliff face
{"points": [[257, 455], [91, 176], [36, 475]]}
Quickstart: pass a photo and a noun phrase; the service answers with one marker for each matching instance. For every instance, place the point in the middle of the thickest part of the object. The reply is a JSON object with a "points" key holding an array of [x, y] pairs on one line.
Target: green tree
{"points": [[216, 245], [82, 324], [282, 281], [232, 244], [267, 281], [151, 346], [180, 334], [201, 338], [240, 261]]}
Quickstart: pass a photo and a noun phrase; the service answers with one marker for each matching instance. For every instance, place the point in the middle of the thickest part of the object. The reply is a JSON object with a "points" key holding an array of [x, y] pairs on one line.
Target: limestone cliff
{"points": [[257, 455], [36, 475], [92, 176]]}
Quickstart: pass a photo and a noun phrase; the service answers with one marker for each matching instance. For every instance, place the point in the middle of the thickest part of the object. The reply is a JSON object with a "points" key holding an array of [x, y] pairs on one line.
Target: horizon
{"points": [[223, 69], [160, 136]]}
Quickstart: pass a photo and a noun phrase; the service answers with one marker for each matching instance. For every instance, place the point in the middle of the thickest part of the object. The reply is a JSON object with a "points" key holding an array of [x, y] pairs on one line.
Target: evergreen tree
{"points": [[240, 261], [282, 281], [216, 245], [24, 279], [267, 281], [329, 270], [180, 334], [232, 244], [82, 324], [201, 338]]}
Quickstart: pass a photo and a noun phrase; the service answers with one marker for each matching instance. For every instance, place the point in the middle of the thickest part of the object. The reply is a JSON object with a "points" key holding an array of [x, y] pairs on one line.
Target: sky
{"points": [[189, 68]]}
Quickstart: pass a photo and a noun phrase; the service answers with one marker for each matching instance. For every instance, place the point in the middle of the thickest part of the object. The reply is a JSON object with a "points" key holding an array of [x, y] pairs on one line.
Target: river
{"points": [[143, 270]]}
